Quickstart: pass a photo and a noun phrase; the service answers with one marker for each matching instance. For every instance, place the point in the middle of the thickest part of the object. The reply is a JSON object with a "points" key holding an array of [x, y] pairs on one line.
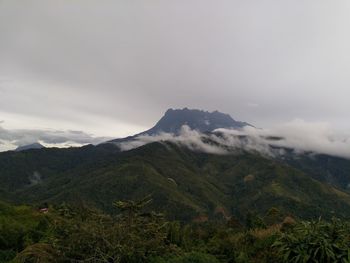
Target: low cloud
{"points": [[317, 137], [187, 137], [35, 178], [12, 138], [298, 135]]}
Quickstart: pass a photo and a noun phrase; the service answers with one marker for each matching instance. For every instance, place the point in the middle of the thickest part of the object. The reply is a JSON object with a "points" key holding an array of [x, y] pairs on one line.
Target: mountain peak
{"points": [[200, 120], [203, 121], [35, 145]]}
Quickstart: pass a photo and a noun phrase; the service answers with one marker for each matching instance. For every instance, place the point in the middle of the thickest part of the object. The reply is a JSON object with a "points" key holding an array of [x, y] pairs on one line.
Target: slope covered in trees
{"points": [[185, 185]]}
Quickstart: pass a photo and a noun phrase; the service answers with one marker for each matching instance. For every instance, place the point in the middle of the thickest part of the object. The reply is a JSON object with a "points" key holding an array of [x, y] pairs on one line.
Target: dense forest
{"points": [[176, 205], [64, 233], [184, 184]]}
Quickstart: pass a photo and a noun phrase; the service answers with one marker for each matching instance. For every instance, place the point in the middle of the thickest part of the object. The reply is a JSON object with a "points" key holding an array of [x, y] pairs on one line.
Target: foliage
{"points": [[316, 241], [184, 184], [192, 257], [82, 234], [134, 236], [20, 227]]}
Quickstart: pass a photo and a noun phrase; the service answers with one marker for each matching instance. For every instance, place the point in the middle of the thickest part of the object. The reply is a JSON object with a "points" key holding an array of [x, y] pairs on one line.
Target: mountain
{"points": [[202, 121], [29, 147], [185, 183], [199, 120]]}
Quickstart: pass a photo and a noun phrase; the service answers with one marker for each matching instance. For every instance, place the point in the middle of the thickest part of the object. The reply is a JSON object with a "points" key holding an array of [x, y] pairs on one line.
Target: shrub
{"points": [[315, 241], [192, 257]]}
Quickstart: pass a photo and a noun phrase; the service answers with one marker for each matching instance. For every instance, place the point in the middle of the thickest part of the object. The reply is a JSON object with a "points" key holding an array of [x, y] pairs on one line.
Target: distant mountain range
{"points": [[184, 183]]}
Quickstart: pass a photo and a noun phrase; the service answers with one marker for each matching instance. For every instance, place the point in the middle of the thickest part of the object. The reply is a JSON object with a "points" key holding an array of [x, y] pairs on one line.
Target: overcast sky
{"points": [[111, 68]]}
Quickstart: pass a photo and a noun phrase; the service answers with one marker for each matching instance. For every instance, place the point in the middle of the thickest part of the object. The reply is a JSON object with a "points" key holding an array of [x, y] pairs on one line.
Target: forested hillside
{"points": [[184, 184]]}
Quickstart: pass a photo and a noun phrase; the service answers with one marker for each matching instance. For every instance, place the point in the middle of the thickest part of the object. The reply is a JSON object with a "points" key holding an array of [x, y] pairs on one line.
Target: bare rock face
{"points": [[199, 120]]}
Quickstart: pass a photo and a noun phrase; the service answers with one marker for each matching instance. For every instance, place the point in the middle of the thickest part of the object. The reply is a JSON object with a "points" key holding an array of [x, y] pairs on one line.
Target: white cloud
{"points": [[190, 138], [12, 138], [253, 105], [79, 61], [318, 137], [299, 135]]}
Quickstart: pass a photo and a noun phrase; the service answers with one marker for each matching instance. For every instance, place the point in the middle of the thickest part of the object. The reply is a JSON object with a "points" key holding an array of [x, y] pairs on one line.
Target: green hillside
{"points": [[187, 185], [325, 168]]}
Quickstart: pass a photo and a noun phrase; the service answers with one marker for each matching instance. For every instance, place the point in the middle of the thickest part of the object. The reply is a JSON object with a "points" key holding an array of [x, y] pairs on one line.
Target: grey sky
{"points": [[112, 68]]}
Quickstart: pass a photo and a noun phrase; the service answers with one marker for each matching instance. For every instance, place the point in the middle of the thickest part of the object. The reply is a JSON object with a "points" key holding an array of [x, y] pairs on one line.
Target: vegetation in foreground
{"points": [[71, 234]]}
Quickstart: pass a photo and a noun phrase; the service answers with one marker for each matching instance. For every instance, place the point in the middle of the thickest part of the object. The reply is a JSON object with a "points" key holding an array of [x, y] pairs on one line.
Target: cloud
{"points": [[223, 142], [80, 61], [298, 135], [318, 137], [253, 105], [187, 137], [35, 178], [13, 138]]}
